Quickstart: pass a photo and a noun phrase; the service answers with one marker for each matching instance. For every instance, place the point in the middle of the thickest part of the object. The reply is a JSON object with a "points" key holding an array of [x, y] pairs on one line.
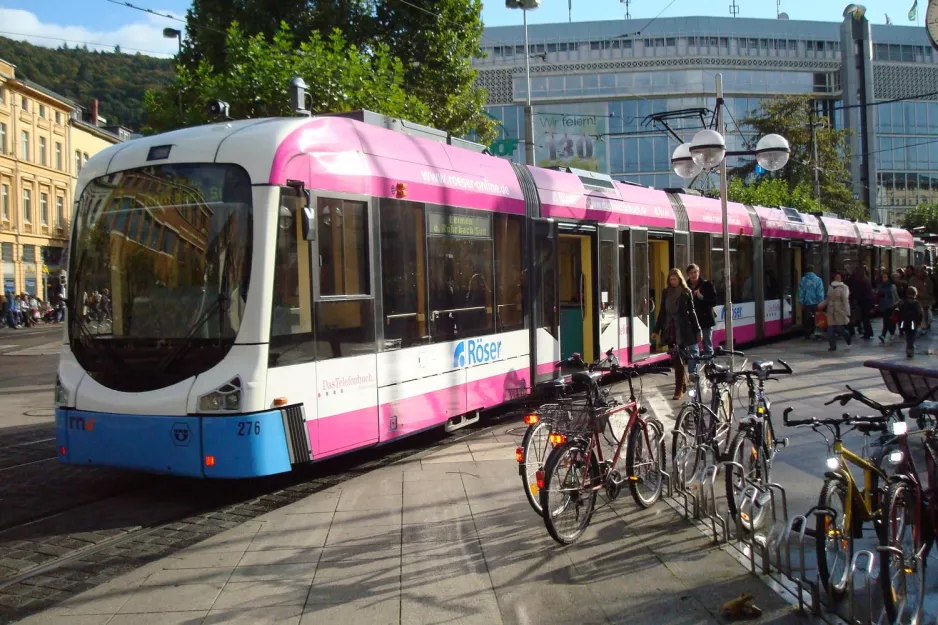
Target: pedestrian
{"points": [[923, 287], [677, 323], [863, 291], [705, 298], [837, 309], [810, 294], [911, 314], [888, 298]]}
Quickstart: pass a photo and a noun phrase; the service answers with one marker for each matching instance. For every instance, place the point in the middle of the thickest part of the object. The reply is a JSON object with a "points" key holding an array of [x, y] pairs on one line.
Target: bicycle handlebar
{"points": [[844, 420], [717, 353], [926, 408]]}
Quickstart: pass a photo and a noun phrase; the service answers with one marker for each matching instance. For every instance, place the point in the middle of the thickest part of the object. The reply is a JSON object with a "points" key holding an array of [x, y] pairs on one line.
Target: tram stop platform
{"points": [[444, 537], [447, 536]]}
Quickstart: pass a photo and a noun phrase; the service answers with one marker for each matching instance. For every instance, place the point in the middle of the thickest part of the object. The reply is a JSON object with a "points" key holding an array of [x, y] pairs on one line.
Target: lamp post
{"points": [[172, 33], [525, 6], [708, 150]]}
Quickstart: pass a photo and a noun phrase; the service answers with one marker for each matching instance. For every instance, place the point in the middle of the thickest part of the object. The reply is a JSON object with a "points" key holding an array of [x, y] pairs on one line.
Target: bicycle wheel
{"points": [[644, 463], [752, 459], [834, 545], [903, 586], [534, 447], [567, 499], [690, 423]]}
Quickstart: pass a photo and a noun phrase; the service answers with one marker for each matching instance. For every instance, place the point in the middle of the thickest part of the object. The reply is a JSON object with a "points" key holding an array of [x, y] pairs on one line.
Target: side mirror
{"points": [[309, 224]]}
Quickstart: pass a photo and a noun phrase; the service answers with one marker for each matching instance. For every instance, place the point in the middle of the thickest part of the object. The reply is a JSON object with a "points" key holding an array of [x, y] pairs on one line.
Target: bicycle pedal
{"points": [[782, 443], [763, 499]]}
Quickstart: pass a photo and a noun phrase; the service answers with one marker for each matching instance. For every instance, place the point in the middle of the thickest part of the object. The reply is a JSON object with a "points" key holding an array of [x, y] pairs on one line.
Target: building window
{"points": [[59, 210], [44, 208], [5, 201], [77, 161], [58, 155], [58, 117], [85, 160], [6, 251], [3, 96], [42, 151], [42, 111], [25, 146], [3, 138], [27, 205], [29, 254], [24, 103]]}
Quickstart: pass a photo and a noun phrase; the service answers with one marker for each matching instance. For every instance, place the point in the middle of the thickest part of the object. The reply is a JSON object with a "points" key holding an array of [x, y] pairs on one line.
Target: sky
{"points": [[102, 24]]}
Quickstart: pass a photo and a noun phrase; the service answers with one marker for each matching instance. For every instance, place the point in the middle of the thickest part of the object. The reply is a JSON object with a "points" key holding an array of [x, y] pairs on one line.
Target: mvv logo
{"points": [[80, 423]]}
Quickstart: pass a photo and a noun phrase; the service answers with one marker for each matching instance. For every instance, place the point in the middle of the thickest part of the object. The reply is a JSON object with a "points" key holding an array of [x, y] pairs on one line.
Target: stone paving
{"points": [[442, 537]]}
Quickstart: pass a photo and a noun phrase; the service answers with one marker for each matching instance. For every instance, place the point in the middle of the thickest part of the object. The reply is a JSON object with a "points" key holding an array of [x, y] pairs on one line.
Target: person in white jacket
{"points": [[837, 309]]}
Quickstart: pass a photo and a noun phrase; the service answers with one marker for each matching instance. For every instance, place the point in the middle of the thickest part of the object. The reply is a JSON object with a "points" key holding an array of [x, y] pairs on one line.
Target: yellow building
{"points": [[43, 144]]}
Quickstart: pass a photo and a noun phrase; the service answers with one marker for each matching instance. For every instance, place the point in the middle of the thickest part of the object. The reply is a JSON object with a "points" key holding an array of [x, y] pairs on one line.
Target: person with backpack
{"points": [[837, 309], [888, 298], [911, 315], [810, 294]]}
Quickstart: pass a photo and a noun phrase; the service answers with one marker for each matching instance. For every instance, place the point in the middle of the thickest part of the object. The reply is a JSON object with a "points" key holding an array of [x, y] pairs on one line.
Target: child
{"points": [[910, 316]]}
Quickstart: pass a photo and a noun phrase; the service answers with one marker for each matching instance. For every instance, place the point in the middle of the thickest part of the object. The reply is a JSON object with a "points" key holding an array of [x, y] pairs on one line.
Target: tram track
{"points": [[196, 511]]}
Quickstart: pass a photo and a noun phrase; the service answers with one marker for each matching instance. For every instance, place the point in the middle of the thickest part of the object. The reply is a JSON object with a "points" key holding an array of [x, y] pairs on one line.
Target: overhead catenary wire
{"points": [[86, 43]]}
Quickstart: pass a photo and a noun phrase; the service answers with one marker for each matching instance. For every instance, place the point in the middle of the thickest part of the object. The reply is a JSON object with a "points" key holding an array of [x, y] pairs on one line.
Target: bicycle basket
{"points": [[570, 419]]}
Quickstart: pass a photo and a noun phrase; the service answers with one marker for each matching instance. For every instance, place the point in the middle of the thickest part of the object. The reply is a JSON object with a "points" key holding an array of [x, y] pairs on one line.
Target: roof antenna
{"points": [[734, 8], [570, 11], [628, 15]]}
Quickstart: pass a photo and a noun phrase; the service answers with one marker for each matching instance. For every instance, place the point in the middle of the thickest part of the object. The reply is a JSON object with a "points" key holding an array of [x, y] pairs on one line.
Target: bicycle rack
{"points": [[707, 483], [881, 549], [678, 481], [851, 587], [667, 488]]}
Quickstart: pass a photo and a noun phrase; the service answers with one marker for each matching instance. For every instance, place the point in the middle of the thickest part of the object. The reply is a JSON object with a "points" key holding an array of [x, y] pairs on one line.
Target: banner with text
{"points": [[572, 135]]}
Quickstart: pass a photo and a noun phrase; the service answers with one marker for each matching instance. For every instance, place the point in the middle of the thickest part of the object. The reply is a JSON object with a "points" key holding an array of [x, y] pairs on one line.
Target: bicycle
{"points": [[909, 513], [757, 431], [698, 425], [535, 444], [576, 471]]}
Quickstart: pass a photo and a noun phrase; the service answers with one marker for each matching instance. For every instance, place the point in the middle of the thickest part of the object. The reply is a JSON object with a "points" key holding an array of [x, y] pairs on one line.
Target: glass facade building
{"points": [[593, 88]]}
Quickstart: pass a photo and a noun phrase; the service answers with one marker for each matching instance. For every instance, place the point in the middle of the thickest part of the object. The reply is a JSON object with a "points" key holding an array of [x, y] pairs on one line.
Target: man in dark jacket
{"points": [[705, 298]]}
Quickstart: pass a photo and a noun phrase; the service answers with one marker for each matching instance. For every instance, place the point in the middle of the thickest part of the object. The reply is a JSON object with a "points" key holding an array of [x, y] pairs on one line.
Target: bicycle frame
{"points": [[856, 501]]}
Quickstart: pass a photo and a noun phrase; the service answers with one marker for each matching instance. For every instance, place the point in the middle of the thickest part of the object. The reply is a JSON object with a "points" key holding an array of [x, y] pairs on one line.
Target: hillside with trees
{"points": [[119, 81]]}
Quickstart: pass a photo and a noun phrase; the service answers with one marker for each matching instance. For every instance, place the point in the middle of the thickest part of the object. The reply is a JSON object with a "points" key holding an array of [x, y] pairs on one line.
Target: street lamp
{"points": [[525, 6], [708, 150], [172, 33]]}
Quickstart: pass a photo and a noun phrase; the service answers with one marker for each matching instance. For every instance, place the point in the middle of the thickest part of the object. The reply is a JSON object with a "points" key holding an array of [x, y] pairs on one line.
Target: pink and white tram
{"points": [[285, 290]]}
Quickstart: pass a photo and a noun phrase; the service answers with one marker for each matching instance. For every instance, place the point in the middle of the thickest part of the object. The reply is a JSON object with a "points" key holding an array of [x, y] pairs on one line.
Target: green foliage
{"points": [[792, 118], [923, 215], [119, 81], [773, 192], [435, 47], [256, 83]]}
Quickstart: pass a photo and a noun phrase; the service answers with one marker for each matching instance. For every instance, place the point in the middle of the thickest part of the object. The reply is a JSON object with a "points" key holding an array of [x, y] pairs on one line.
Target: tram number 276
{"points": [[249, 428]]}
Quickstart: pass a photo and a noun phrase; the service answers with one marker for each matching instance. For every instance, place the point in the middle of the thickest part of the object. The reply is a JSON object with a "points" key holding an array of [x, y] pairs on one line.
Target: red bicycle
{"points": [[576, 470]]}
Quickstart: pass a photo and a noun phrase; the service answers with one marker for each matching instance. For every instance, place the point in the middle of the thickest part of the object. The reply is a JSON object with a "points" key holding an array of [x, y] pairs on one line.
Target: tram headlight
{"points": [[225, 398], [61, 394]]}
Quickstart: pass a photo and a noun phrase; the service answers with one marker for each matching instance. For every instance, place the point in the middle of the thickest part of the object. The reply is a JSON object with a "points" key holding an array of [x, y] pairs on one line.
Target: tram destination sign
{"points": [[459, 225]]}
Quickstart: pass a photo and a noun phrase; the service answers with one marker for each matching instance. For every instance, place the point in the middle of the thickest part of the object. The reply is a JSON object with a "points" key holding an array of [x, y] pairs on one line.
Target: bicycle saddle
{"points": [[717, 368], [762, 365]]}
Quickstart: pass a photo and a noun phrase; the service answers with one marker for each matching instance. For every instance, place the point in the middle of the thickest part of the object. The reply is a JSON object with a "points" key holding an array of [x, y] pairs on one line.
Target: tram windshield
{"points": [[158, 275]]}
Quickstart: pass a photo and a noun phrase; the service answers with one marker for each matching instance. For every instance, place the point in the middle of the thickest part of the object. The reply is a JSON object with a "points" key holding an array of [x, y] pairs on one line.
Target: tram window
{"points": [[625, 276], [345, 327], [404, 273], [742, 285], [509, 278], [291, 323], [644, 303], [702, 254], [459, 245], [772, 267], [343, 248]]}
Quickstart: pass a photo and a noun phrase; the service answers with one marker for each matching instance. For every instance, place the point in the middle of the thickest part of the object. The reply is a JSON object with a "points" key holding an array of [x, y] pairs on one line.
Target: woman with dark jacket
{"points": [[862, 289], [705, 298], [677, 324]]}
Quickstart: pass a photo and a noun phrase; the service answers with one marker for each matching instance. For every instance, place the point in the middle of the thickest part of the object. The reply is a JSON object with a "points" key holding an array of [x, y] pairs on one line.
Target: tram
{"points": [[249, 296]]}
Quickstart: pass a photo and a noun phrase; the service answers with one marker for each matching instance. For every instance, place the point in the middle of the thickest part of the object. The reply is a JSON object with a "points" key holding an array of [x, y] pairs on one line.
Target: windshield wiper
{"points": [[221, 305]]}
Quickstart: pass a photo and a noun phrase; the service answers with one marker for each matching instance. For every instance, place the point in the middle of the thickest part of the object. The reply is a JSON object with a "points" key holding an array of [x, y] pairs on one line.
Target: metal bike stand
{"points": [[883, 550], [851, 590], [667, 488], [679, 487], [707, 484]]}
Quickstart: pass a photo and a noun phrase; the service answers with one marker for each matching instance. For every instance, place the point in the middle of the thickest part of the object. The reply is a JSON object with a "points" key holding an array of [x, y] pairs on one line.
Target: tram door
{"points": [[788, 283], [658, 265], [576, 295], [797, 264], [547, 347], [635, 282], [608, 290]]}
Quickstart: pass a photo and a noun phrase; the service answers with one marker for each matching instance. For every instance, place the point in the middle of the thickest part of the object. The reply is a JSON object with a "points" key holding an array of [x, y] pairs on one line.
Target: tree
{"points": [[792, 118], [435, 45], [259, 74], [922, 216]]}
